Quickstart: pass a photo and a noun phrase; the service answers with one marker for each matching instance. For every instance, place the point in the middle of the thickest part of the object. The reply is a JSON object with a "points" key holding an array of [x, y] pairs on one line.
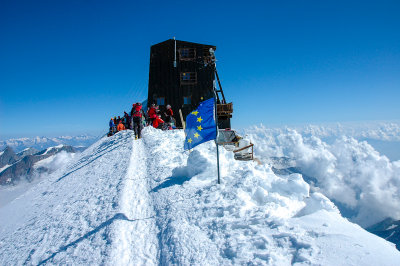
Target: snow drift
{"points": [[126, 201]]}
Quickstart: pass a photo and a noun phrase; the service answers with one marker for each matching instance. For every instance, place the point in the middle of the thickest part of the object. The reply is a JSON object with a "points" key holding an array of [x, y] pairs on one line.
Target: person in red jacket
{"points": [[137, 114], [158, 122], [120, 126], [152, 113]]}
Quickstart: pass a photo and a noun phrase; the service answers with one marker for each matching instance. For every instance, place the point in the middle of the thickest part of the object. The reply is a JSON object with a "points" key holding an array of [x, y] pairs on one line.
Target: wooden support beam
{"points": [[241, 149]]}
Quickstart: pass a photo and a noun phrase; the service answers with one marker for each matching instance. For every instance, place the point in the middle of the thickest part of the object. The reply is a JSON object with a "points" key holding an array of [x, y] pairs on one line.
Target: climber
{"points": [[127, 120], [136, 119], [158, 122], [152, 114], [120, 126], [168, 114], [111, 124]]}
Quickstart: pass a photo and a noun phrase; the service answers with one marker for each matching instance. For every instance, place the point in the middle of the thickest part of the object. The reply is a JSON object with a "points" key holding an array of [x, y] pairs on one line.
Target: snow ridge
{"points": [[146, 202]]}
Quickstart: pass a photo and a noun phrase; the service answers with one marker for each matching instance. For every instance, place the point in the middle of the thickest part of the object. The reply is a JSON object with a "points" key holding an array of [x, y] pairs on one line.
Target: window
{"points": [[185, 76], [187, 100], [161, 101], [188, 78], [187, 54]]}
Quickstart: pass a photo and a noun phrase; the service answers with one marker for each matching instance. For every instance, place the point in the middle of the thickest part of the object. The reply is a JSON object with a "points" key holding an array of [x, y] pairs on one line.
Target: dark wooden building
{"points": [[182, 74]]}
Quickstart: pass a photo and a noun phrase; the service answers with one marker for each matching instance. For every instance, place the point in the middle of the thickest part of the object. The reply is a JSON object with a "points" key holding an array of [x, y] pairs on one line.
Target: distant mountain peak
{"points": [[41, 143], [7, 157], [22, 166]]}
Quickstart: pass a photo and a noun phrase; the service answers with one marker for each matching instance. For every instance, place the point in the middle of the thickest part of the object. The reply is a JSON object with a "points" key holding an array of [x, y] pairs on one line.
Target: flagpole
{"points": [[219, 181], [216, 139]]}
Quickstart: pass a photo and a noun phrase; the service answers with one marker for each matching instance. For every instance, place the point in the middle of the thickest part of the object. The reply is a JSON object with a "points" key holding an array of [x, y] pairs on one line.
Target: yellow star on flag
{"points": [[199, 119], [195, 112], [196, 135], [190, 140], [199, 128]]}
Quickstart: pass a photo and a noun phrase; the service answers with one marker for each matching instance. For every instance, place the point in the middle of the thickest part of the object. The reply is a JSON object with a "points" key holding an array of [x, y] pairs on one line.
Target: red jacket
{"points": [[152, 112], [157, 121], [169, 112]]}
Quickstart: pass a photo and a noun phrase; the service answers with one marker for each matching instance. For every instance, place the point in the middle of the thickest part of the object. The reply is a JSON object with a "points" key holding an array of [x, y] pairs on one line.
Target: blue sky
{"points": [[66, 67]]}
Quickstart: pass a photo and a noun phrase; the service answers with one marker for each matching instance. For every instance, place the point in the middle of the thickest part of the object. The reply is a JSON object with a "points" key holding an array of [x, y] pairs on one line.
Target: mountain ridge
{"points": [[41, 143], [23, 166]]}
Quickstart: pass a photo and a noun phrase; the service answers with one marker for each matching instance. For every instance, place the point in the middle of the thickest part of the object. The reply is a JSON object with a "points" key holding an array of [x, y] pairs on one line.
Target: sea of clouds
{"points": [[362, 182]]}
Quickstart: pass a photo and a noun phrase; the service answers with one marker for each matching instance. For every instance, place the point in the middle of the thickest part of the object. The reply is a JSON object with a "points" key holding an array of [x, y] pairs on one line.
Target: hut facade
{"points": [[181, 74]]}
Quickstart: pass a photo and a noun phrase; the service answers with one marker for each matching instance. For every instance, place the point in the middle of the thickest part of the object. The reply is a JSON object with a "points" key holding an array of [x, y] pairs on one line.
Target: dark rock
{"points": [[388, 229], [7, 157]]}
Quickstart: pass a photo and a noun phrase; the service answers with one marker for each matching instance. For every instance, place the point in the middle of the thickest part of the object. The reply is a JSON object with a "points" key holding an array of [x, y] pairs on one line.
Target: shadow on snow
{"points": [[118, 216]]}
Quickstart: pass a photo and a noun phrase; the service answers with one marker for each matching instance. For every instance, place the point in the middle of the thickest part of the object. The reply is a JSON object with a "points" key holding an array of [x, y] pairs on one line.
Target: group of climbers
{"points": [[118, 124], [155, 120], [138, 119]]}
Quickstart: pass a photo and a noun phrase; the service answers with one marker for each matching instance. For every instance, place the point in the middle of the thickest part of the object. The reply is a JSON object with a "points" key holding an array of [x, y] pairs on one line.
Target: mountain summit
{"points": [[146, 202]]}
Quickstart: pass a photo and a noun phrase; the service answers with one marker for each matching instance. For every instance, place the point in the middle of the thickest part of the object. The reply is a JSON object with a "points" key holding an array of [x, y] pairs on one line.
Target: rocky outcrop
{"points": [[7, 157], [388, 229]]}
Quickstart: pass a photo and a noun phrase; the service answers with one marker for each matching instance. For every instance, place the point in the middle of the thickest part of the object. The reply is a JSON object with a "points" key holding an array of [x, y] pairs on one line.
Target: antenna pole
{"points": [[174, 53]]}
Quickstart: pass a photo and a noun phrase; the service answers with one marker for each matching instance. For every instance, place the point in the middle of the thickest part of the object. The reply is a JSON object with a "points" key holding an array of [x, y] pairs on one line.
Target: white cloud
{"points": [[56, 161], [348, 171]]}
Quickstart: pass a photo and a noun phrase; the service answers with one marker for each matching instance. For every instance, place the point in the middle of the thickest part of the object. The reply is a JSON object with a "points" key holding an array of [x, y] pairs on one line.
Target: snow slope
{"points": [[69, 217], [146, 202]]}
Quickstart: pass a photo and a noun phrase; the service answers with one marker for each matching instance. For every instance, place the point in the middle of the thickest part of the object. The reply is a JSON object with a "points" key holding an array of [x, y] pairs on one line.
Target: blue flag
{"points": [[200, 125]]}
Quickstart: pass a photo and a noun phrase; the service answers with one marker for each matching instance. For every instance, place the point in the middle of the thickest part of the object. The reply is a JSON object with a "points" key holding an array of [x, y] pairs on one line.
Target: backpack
{"points": [[137, 111]]}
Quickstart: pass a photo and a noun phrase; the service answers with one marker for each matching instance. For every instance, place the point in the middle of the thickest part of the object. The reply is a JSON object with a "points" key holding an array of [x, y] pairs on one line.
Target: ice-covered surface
{"points": [[145, 202]]}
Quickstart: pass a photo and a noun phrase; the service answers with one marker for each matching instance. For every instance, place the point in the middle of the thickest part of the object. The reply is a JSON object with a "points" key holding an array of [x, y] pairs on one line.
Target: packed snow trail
{"points": [[137, 241], [96, 211], [146, 202]]}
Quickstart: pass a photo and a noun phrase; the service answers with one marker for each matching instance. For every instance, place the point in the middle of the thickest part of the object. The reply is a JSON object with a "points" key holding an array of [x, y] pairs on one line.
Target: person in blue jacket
{"points": [[112, 125]]}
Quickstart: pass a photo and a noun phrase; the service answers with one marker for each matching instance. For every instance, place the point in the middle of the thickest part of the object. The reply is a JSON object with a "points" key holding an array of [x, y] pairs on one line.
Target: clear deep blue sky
{"points": [[66, 67]]}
